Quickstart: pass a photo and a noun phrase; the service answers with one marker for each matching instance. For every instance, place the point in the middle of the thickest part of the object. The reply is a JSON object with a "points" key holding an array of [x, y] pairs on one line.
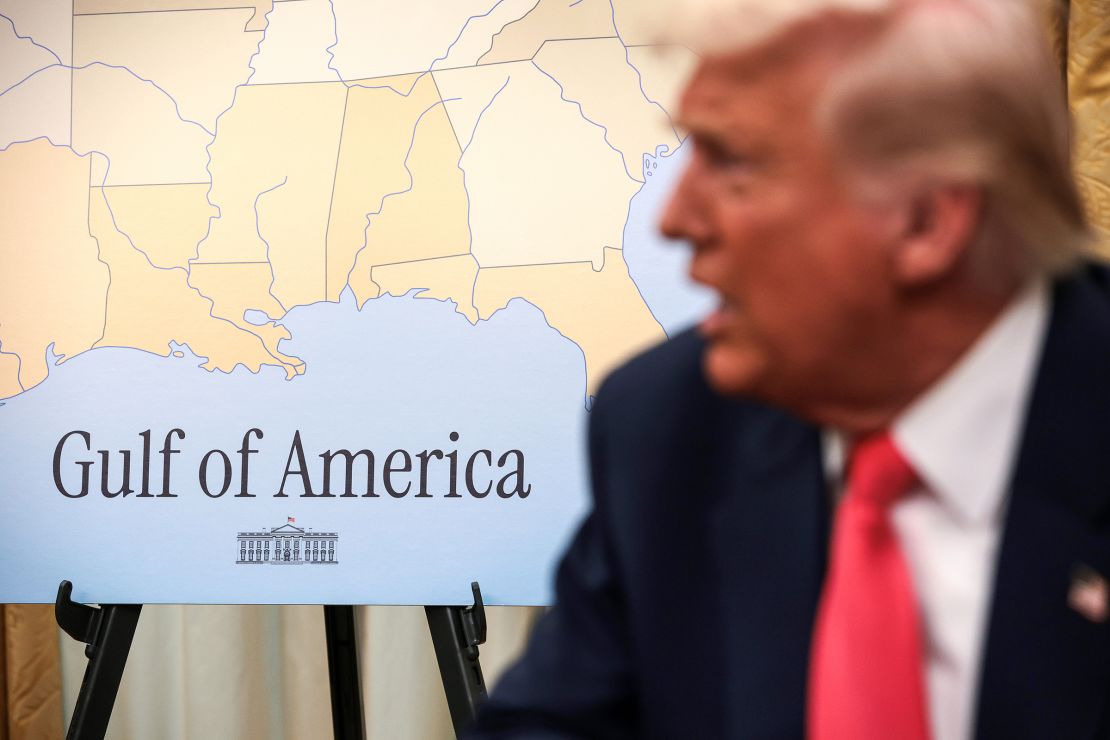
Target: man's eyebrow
{"points": [[692, 128], [706, 136]]}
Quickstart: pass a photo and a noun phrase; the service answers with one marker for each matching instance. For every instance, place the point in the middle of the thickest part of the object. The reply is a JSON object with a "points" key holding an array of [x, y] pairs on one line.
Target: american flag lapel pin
{"points": [[1089, 594]]}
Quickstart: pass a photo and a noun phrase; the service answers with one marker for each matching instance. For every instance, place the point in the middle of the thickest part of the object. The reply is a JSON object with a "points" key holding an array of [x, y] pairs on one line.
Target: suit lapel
{"points": [[1046, 668], [769, 533]]}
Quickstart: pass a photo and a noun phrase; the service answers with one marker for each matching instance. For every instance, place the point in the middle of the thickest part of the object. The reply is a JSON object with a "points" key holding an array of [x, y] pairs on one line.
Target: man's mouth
{"points": [[714, 324]]}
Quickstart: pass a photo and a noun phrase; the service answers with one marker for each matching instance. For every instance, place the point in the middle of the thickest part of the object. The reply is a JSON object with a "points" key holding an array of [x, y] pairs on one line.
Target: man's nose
{"points": [[684, 216]]}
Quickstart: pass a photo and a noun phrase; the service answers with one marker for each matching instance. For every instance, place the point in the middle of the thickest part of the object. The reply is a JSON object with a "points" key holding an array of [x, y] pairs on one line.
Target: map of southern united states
{"points": [[181, 171]]}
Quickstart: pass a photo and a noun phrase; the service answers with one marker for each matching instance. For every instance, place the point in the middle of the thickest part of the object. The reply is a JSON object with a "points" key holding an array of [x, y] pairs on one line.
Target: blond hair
{"points": [[942, 92]]}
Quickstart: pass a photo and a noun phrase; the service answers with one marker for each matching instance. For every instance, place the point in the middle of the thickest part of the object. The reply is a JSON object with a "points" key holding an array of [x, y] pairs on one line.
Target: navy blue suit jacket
{"points": [[686, 600]]}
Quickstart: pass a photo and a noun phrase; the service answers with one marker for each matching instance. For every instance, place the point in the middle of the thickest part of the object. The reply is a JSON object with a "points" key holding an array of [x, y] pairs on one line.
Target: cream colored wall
{"points": [[247, 672]]}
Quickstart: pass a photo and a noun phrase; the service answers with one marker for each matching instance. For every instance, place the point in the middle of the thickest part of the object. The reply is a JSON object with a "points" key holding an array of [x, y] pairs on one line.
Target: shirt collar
{"points": [[961, 435]]}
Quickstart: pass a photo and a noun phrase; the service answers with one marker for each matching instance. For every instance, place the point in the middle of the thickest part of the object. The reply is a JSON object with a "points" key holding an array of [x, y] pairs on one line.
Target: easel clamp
{"points": [[79, 621], [473, 620]]}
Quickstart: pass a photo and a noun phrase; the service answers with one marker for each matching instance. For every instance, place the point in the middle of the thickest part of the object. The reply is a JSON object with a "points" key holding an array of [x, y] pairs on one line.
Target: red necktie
{"points": [[866, 679]]}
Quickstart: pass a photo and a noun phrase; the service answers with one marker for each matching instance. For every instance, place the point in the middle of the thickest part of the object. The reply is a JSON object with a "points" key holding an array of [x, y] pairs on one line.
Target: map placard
{"points": [[307, 301]]}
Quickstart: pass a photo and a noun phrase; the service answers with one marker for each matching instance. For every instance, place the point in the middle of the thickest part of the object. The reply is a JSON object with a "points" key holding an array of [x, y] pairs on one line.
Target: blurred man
{"points": [[869, 497]]}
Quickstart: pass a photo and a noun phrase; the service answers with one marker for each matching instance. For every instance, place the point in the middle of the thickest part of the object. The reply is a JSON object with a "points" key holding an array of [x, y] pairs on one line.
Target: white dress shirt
{"points": [[961, 436]]}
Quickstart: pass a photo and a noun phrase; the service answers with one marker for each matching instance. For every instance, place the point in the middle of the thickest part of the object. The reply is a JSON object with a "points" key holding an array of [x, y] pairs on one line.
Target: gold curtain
{"points": [[1084, 33], [30, 676]]}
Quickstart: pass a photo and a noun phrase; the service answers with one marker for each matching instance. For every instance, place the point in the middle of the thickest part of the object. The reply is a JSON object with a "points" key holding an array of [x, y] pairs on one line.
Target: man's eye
{"points": [[725, 160], [732, 161]]}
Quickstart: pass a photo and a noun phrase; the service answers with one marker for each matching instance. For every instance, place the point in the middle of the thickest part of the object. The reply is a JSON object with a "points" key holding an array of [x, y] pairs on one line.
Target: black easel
{"points": [[456, 634], [107, 632]]}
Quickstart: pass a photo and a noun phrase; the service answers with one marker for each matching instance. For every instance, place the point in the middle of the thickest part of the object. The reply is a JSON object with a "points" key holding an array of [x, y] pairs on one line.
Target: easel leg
{"points": [[107, 632], [346, 692], [456, 634]]}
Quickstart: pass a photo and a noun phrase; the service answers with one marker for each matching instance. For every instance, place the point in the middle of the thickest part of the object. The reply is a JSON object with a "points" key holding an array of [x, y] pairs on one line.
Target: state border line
{"points": [[424, 259], [72, 36], [149, 184], [334, 180], [169, 10], [243, 262], [355, 81]]}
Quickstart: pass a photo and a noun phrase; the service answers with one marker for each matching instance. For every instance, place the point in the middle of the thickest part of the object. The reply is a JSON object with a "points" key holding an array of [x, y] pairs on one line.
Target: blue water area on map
{"points": [[659, 266], [402, 373]]}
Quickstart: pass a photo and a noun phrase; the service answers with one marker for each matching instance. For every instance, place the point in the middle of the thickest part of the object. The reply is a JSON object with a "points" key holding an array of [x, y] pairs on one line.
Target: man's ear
{"points": [[940, 227]]}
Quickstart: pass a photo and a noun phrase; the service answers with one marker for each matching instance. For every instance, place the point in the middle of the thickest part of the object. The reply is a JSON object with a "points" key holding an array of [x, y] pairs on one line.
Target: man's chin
{"points": [[732, 371]]}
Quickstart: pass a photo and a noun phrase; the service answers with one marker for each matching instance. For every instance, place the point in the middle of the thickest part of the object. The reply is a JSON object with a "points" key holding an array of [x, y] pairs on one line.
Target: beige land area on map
{"points": [[182, 314], [163, 48], [273, 164], [473, 152], [53, 285], [571, 296], [255, 21], [424, 218], [167, 219]]}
